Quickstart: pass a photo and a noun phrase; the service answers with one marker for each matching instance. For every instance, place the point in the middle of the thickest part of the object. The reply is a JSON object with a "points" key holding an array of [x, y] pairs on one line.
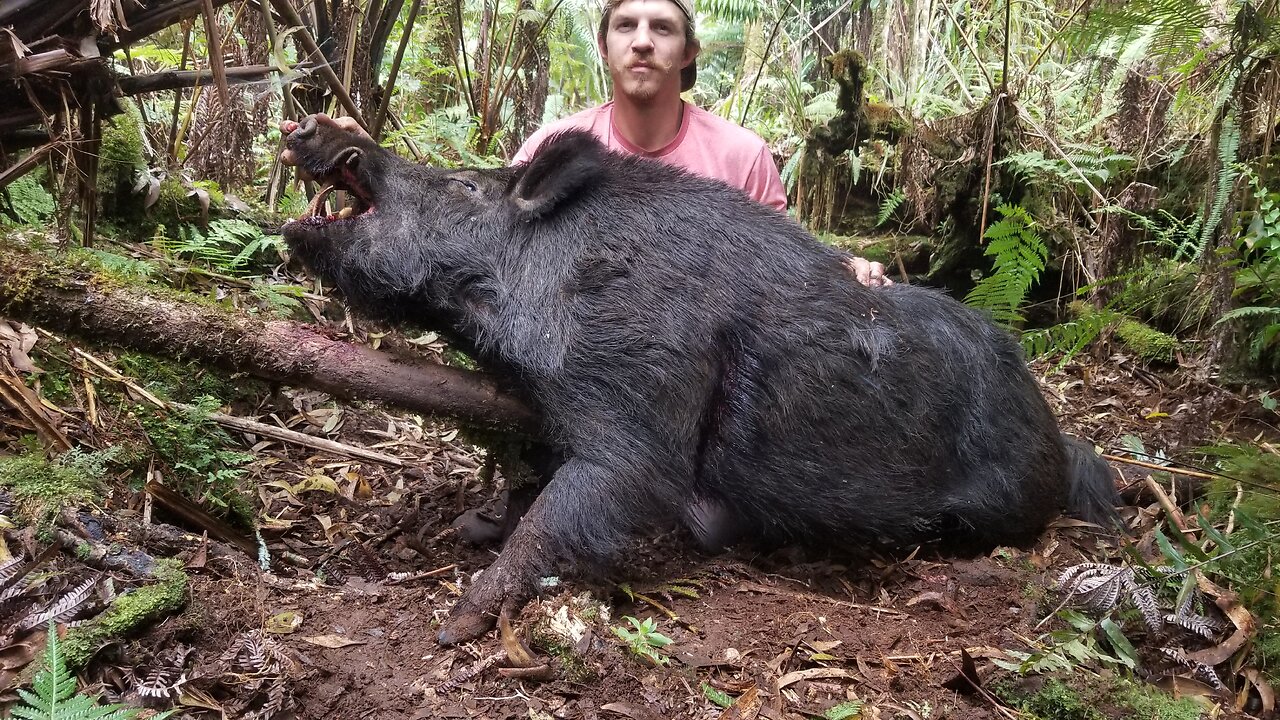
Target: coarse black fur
{"points": [[687, 344]]}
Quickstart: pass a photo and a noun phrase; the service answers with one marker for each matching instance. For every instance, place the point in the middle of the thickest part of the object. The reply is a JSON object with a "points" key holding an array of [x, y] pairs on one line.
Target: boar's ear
{"points": [[564, 164]]}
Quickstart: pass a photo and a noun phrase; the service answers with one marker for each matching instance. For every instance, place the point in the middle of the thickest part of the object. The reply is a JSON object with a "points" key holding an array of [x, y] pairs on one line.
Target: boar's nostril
{"points": [[306, 127]]}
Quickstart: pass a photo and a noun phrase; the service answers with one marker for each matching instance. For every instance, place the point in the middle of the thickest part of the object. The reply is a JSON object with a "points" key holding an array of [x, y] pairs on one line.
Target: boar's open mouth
{"points": [[341, 174]]}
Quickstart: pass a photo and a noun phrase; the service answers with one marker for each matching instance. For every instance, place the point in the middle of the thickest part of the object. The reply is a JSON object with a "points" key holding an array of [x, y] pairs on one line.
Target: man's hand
{"points": [[868, 273], [342, 123]]}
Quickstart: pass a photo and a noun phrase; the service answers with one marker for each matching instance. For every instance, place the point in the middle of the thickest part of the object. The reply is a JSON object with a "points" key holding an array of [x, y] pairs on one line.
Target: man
{"points": [[651, 50]]}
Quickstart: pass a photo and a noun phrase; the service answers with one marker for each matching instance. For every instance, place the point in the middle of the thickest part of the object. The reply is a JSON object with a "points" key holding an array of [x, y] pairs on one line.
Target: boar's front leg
{"points": [[585, 513]]}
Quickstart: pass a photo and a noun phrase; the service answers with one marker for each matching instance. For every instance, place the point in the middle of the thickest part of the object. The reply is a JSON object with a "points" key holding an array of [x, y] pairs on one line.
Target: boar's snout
{"points": [[306, 127]]}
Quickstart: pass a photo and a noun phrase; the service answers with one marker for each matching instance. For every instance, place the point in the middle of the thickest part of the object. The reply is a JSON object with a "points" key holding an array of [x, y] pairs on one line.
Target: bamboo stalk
{"points": [[326, 71], [385, 105], [214, 39]]}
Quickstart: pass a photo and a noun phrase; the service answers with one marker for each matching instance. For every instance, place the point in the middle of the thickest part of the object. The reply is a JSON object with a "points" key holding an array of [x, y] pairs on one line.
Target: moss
{"points": [[1150, 344], [43, 487], [121, 158], [1058, 701], [1147, 703], [129, 612]]}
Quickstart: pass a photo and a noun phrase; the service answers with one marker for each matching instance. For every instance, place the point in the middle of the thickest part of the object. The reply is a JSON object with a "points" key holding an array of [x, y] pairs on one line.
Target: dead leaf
{"points": [[967, 681], [332, 641], [812, 674], [1265, 694], [283, 623], [316, 482], [934, 598], [746, 707], [1229, 603], [19, 341], [633, 711]]}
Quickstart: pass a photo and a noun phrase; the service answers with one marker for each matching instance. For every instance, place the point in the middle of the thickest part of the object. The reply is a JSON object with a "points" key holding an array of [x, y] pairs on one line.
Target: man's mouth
{"points": [[340, 176]]}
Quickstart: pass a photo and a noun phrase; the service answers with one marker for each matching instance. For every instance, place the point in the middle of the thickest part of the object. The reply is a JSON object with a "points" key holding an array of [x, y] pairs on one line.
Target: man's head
{"points": [[647, 43]]}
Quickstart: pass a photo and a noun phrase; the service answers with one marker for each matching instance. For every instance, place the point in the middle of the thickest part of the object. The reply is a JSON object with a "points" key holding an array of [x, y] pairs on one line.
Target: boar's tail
{"points": [[1092, 492]]}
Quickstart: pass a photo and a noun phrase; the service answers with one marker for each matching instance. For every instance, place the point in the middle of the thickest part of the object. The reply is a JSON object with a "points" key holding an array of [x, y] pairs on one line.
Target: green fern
{"points": [[1228, 170], [29, 202], [889, 205], [1067, 338], [1020, 256], [53, 694]]}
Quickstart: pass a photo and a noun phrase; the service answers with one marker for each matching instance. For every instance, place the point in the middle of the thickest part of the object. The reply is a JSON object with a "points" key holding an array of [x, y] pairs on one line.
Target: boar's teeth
{"points": [[317, 202], [344, 213]]}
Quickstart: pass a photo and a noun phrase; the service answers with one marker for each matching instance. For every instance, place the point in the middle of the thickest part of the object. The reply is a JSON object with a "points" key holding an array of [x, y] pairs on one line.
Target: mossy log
{"points": [[59, 297]]}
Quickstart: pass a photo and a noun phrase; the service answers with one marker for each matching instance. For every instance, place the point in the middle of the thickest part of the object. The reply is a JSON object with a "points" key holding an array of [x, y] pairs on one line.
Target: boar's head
{"points": [[417, 242]]}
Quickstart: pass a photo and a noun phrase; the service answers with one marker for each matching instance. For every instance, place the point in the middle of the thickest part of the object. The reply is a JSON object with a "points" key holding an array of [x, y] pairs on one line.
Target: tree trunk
{"points": [[42, 292]]}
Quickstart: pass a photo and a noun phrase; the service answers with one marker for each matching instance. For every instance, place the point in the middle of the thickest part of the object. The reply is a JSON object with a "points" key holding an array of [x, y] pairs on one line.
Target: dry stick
{"points": [[991, 149], [177, 96], [381, 115], [1165, 468], [353, 36], [764, 60], [21, 167], [505, 82], [309, 43], [298, 438], [1179, 522], [237, 423], [1045, 50], [215, 55]]}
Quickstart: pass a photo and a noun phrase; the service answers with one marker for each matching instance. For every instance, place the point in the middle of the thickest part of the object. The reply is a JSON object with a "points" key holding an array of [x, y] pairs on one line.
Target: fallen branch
{"points": [[39, 291]]}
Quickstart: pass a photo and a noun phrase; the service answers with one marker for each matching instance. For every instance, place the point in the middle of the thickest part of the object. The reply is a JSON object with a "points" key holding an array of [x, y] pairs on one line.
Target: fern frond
{"points": [[1228, 170], [889, 205], [1020, 256]]}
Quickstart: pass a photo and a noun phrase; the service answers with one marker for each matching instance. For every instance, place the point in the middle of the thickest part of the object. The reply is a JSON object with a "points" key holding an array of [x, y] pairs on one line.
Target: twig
{"points": [[385, 105], [297, 438], [1164, 468], [214, 39], [309, 43], [1172, 510]]}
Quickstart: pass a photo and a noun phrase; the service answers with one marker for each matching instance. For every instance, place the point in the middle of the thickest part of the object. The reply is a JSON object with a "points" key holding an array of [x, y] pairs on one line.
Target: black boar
{"points": [[694, 354]]}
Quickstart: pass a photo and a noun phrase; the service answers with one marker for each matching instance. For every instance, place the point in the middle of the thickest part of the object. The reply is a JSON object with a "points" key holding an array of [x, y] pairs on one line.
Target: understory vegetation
{"points": [[1099, 177]]}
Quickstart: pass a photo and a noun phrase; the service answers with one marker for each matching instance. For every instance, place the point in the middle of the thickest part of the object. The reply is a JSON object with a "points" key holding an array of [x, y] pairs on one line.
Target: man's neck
{"points": [[649, 126]]}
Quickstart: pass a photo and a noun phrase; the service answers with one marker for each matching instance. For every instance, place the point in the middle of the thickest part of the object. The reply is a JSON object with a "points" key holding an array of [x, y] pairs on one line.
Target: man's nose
{"points": [[642, 40]]}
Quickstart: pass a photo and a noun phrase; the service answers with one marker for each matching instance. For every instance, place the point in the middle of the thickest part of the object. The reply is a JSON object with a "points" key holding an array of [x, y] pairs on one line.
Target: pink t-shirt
{"points": [[707, 145]]}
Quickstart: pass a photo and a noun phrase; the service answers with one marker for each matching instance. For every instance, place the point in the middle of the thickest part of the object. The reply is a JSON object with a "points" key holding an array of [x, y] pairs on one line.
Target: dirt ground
{"points": [[365, 565], [791, 634]]}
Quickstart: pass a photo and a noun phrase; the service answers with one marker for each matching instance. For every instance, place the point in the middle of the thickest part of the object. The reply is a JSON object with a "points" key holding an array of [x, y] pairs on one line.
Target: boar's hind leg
{"points": [[585, 513]]}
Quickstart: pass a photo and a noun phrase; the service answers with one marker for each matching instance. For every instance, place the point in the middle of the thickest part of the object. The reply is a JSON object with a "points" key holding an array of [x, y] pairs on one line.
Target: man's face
{"points": [[645, 48]]}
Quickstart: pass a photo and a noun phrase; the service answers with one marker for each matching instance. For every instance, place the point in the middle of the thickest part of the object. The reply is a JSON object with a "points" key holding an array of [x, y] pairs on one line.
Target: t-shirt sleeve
{"points": [[529, 148], [764, 184]]}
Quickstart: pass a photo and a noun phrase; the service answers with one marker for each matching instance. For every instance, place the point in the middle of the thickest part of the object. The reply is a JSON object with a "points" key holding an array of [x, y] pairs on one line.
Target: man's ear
{"points": [[563, 165], [691, 51]]}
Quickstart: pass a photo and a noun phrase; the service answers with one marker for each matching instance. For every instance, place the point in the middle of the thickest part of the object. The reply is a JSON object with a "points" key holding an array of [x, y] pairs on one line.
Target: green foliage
{"points": [[1070, 337], [719, 698], [227, 246], [1077, 644], [1019, 257], [1058, 701], [890, 204], [195, 449], [1258, 279], [1228, 170], [281, 300], [122, 154], [644, 640], [848, 710], [29, 202], [53, 695], [44, 487], [1084, 164]]}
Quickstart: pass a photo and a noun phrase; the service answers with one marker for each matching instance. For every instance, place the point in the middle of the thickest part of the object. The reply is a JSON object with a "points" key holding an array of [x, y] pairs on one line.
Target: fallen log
{"points": [[41, 291]]}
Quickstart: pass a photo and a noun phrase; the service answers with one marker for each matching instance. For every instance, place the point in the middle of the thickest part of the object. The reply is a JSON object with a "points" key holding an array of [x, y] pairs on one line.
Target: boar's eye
{"points": [[470, 186]]}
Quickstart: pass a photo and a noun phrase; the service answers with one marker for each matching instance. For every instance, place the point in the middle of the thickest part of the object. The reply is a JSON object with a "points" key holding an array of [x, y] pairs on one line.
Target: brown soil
{"points": [[806, 633]]}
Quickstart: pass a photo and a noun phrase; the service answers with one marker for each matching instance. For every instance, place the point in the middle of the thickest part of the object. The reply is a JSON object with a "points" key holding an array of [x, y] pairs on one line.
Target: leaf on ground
{"points": [[633, 711], [332, 641], [746, 707], [813, 674], [283, 623]]}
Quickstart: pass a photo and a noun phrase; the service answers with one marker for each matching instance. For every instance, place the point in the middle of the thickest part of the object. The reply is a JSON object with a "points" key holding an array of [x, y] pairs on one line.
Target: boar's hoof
{"points": [[466, 622]]}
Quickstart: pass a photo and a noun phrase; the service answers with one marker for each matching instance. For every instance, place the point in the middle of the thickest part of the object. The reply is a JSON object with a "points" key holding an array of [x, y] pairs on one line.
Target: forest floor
{"points": [[366, 566]]}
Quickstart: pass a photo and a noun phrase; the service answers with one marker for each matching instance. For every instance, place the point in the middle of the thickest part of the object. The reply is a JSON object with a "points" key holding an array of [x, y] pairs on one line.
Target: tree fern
{"points": [[1020, 256], [1228, 147], [53, 694]]}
